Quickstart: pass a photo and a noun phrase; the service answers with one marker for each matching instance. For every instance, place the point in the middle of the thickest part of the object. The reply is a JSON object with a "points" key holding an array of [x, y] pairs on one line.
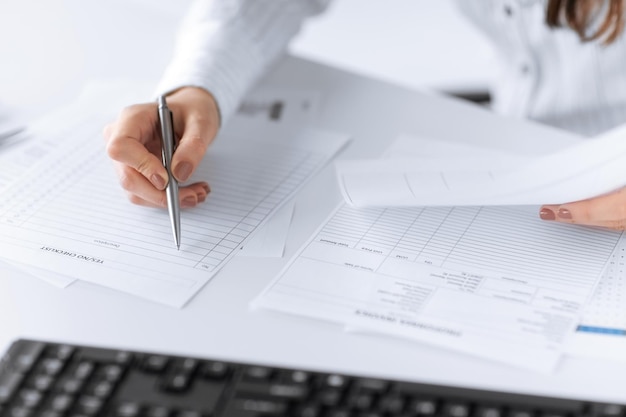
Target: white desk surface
{"points": [[218, 323]]}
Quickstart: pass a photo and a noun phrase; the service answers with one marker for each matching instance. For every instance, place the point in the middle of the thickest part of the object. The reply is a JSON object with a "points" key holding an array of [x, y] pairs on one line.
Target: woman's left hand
{"points": [[608, 210]]}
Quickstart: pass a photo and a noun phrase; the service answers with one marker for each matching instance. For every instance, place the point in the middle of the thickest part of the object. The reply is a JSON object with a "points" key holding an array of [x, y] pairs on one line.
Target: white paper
{"points": [[269, 240], [591, 168], [70, 215], [257, 113], [506, 294], [490, 281], [53, 278]]}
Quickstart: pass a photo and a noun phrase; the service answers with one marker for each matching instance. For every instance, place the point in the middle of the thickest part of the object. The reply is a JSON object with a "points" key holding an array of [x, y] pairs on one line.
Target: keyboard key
{"points": [[273, 390], [298, 377], [61, 403], [89, 406], [9, 383], [336, 381], [330, 397], [456, 410], [20, 412], [97, 355], [258, 372], [24, 355], [392, 404], [61, 352], [72, 386], [372, 385], [30, 398], [112, 373], [102, 389], [260, 406], [488, 411], [42, 383], [520, 413], [611, 410], [155, 363], [84, 370], [552, 413], [187, 365], [158, 411], [308, 410], [179, 383], [52, 367], [49, 413], [370, 414], [189, 413], [423, 407], [128, 409], [215, 370], [361, 402], [338, 413]]}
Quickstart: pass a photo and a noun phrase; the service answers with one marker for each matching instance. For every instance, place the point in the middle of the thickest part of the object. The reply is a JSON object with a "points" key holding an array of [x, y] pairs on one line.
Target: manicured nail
{"points": [[564, 214], [158, 181], [189, 202], [546, 214], [182, 172]]}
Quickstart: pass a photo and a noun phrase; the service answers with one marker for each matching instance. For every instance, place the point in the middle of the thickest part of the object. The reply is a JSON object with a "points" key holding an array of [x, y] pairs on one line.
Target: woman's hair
{"points": [[579, 14]]}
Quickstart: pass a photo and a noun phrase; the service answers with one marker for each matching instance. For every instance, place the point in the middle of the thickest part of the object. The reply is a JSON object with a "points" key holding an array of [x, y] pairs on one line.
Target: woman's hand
{"points": [[607, 211], [134, 145]]}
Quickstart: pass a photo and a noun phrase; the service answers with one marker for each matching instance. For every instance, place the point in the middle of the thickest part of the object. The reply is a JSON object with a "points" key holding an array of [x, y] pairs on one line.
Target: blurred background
{"points": [[49, 49]]}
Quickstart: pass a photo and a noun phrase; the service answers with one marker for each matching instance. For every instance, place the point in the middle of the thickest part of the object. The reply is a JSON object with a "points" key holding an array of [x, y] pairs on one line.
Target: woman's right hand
{"points": [[134, 145]]}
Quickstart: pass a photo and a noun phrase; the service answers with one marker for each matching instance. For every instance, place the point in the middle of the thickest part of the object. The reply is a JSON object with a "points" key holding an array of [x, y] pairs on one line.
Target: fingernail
{"points": [[189, 202], [564, 214], [158, 181], [182, 172], [206, 188], [201, 197], [546, 214]]}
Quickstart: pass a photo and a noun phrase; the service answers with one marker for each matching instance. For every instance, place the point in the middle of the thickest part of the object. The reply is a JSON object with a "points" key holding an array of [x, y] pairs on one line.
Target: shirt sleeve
{"points": [[224, 46]]}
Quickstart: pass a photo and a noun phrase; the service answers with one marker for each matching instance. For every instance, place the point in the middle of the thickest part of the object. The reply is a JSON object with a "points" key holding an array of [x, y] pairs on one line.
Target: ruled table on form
{"points": [[494, 281], [72, 214]]}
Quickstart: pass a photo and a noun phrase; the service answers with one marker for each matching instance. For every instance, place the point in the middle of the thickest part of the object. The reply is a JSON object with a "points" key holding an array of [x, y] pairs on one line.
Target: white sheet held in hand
{"points": [[593, 167]]}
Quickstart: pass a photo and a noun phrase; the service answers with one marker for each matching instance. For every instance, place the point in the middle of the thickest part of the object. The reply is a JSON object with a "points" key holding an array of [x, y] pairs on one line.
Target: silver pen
{"points": [[167, 150]]}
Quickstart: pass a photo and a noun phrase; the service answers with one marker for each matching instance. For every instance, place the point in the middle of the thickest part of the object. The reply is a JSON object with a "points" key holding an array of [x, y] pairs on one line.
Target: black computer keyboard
{"points": [[51, 380]]}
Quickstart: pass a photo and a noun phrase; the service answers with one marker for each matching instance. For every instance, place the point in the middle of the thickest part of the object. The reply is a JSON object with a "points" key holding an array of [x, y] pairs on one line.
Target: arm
{"points": [[223, 48]]}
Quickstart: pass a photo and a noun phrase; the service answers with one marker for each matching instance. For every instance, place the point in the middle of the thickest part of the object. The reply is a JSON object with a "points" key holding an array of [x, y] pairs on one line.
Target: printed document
{"points": [[590, 168], [263, 110], [602, 331], [491, 281], [70, 216]]}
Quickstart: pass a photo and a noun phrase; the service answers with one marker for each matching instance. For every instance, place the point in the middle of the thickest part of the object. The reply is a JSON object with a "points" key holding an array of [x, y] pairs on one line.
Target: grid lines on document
{"points": [[507, 239], [78, 198], [606, 313]]}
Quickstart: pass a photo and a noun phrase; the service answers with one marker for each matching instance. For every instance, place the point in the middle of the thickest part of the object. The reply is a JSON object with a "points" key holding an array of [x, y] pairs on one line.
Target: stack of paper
{"points": [[493, 281], [65, 216]]}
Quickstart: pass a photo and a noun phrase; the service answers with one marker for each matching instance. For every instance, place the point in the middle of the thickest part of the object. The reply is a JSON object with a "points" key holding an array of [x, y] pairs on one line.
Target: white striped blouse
{"points": [[547, 75]]}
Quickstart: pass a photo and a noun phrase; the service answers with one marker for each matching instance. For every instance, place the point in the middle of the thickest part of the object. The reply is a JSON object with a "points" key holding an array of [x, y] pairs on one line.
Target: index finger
{"points": [[130, 141], [598, 211]]}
